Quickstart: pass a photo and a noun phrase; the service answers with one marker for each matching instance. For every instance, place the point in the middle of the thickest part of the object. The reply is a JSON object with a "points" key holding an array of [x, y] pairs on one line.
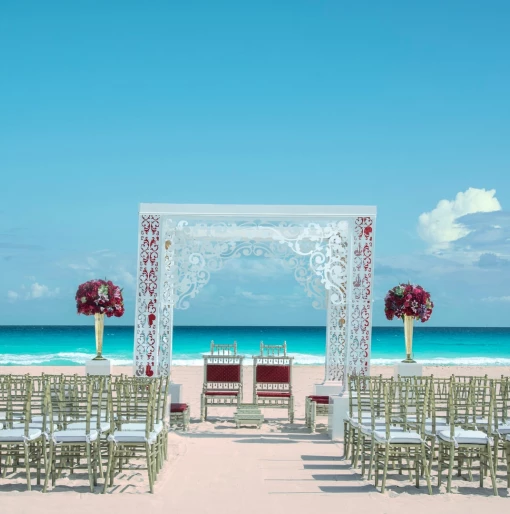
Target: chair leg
{"points": [[496, 446], [507, 453], [89, 467], [48, 467], [376, 472], [203, 414], [450, 468], [425, 465], [492, 470], [370, 465], [385, 470], [346, 440], [358, 448], [109, 465], [27, 466], [150, 469]]}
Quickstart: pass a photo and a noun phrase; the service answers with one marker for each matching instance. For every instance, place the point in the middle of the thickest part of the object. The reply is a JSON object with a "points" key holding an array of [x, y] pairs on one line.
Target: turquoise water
{"points": [[71, 345]]}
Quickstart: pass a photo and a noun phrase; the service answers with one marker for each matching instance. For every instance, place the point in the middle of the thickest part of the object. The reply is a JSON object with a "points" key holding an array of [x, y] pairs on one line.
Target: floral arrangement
{"points": [[100, 297], [408, 300]]}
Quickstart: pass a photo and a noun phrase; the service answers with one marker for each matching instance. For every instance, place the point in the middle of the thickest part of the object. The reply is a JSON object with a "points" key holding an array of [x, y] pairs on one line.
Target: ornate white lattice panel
{"points": [[361, 297], [146, 348], [308, 250]]}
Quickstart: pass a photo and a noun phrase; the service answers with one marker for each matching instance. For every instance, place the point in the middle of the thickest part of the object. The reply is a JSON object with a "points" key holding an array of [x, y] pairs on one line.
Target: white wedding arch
{"points": [[329, 248]]}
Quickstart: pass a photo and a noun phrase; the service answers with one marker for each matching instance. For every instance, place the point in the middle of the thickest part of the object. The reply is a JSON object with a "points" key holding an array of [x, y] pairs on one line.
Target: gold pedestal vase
{"points": [[408, 334], [99, 324]]}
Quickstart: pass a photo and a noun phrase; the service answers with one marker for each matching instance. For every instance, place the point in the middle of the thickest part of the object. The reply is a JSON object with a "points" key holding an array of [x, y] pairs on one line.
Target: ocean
{"points": [[73, 345]]}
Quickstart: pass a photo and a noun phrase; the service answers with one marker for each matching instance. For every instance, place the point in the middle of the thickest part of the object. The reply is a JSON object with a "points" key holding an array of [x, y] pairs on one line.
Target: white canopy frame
{"points": [[329, 249]]}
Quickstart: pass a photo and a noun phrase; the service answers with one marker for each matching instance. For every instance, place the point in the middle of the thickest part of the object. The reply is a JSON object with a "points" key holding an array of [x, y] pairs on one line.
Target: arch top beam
{"points": [[260, 211]]}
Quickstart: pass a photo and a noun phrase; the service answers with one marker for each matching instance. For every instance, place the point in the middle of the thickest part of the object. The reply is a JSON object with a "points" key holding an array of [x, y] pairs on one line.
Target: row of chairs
{"points": [[223, 378], [414, 422], [57, 423]]}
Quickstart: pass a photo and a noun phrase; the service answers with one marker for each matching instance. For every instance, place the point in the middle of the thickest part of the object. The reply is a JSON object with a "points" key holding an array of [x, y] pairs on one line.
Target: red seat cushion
{"points": [[274, 394], [222, 393], [223, 373], [178, 407], [323, 400], [268, 374]]}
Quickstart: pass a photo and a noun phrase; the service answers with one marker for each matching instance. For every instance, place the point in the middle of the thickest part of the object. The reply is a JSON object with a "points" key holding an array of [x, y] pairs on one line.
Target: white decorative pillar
{"points": [[335, 350], [146, 322], [336, 280], [357, 348]]}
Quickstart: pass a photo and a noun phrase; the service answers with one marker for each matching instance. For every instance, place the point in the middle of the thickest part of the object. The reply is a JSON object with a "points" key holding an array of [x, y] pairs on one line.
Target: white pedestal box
{"points": [[327, 389], [408, 369], [338, 411], [175, 391], [102, 367]]}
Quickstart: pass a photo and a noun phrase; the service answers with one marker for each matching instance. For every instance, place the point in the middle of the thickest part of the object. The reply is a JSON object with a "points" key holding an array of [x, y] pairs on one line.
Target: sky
{"points": [[402, 105]]}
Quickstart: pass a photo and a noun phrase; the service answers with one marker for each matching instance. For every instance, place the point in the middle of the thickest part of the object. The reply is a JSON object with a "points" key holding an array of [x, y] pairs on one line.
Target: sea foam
{"points": [[80, 358]]}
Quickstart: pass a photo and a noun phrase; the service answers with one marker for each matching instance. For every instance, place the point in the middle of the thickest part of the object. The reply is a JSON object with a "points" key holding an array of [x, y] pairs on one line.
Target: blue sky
{"points": [[104, 105]]}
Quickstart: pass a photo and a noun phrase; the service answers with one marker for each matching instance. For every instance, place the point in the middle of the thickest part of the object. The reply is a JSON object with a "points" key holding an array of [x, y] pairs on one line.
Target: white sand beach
{"points": [[216, 468]]}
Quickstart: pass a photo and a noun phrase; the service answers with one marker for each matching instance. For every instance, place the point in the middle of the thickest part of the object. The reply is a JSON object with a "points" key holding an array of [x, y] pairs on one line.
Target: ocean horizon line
{"points": [[417, 326]]}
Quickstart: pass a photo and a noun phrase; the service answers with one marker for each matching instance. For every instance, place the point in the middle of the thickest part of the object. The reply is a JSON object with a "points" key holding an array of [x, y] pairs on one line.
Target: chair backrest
{"points": [[462, 409], [501, 393], [272, 369], [481, 397], [134, 399], [223, 349], [15, 401], [223, 371], [274, 350]]}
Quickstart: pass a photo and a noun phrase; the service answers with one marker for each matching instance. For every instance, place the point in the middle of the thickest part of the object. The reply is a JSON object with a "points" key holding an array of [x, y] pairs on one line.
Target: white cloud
{"points": [[496, 299], [12, 296], [33, 292], [255, 297], [440, 227], [126, 277], [104, 264], [41, 291]]}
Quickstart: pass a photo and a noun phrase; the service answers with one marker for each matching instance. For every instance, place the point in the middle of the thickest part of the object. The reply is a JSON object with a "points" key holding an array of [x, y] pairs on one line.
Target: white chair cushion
{"points": [[140, 427], [354, 419], [464, 436], [482, 421], [74, 436], [82, 425], [367, 430], [397, 437], [428, 421], [504, 428], [431, 433], [17, 435], [132, 436], [36, 425]]}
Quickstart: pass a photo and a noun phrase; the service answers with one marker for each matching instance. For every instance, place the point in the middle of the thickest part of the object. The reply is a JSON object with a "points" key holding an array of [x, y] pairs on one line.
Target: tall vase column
{"points": [[408, 335], [99, 326], [408, 367], [98, 365]]}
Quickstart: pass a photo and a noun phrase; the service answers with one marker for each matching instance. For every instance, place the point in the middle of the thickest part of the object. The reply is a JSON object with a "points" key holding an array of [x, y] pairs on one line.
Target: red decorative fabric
{"points": [[323, 400], [178, 407], [223, 373], [273, 394], [273, 374], [221, 393]]}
